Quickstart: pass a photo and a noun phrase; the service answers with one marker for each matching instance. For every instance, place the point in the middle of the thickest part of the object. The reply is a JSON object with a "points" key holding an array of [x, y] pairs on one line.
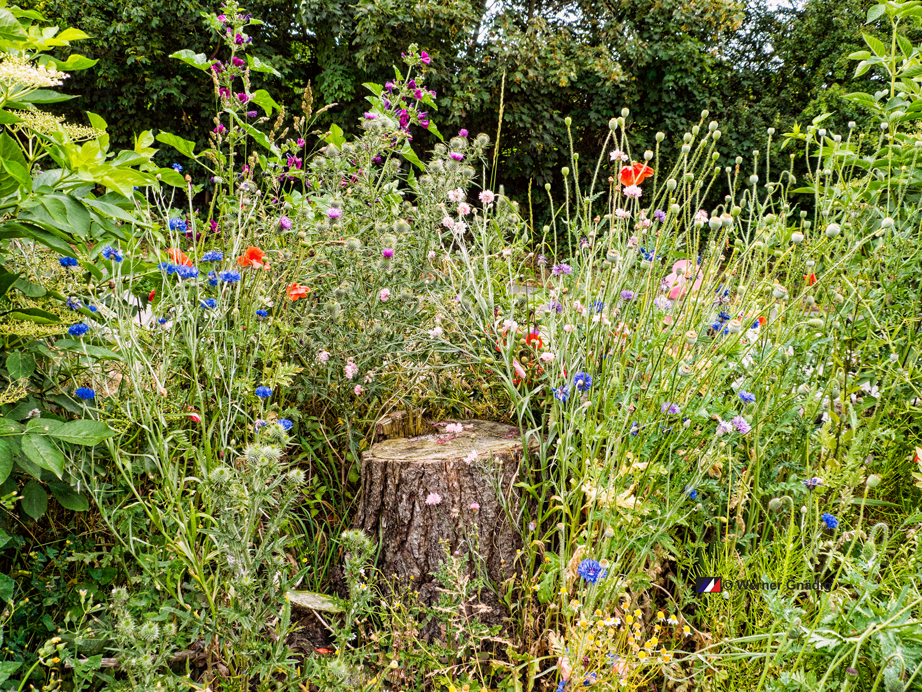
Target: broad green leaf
{"points": [[434, 130], [184, 146], [410, 155], [6, 460], [170, 177], [69, 498], [45, 96], [6, 282], [91, 350], [197, 60], [9, 427], [20, 174], [10, 152], [34, 499], [335, 136], [876, 45], [257, 65], [74, 62], [34, 315], [859, 55], [262, 98], [905, 45], [20, 364], [82, 432], [375, 89], [10, 28], [875, 13], [43, 452], [259, 137], [7, 588], [7, 668], [27, 288], [910, 73]]}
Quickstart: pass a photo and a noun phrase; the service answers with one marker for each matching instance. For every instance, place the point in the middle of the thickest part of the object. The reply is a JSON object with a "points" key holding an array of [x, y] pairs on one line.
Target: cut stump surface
{"points": [[399, 475]]}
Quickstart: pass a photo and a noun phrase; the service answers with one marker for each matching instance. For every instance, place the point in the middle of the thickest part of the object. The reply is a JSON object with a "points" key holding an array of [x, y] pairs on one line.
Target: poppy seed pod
{"points": [[774, 504], [547, 186], [695, 130], [887, 223], [753, 179], [568, 121], [685, 148], [873, 481], [734, 326], [625, 112], [714, 223], [689, 177], [797, 237], [815, 323], [691, 338], [647, 155], [565, 171], [660, 136], [613, 124], [671, 184], [675, 208], [716, 135], [779, 292]]}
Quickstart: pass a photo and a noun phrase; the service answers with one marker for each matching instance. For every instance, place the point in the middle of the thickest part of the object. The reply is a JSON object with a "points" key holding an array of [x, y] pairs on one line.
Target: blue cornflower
{"points": [[591, 571], [285, 424], [78, 329], [178, 225], [209, 303], [554, 305], [264, 392], [722, 316], [260, 424], [598, 306], [811, 483], [830, 521], [670, 408], [561, 686], [659, 215], [177, 167], [186, 272], [562, 393], [92, 308], [582, 381], [213, 256], [68, 261], [262, 313], [212, 278], [692, 493], [755, 325], [167, 267], [162, 320], [85, 393], [229, 276], [747, 397], [627, 295], [73, 303], [111, 253]]}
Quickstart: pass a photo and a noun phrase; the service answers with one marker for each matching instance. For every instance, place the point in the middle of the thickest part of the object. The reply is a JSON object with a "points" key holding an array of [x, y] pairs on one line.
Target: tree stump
{"points": [[400, 481]]}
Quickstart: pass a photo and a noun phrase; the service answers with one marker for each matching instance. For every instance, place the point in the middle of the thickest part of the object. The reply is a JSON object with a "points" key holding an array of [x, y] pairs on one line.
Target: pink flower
{"points": [[454, 428], [622, 213], [677, 281], [424, 58], [384, 295], [433, 499], [195, 418], [323, 356], [436, 332], [448, 222], [475, 506], [568, 328], [472, 457], [464, 208], [351, 370], [431, 254], [633, 191], [519, 370], [285, 222], [358, 389], [547, 356], [456, 195], [487, 196], [334, 212]]}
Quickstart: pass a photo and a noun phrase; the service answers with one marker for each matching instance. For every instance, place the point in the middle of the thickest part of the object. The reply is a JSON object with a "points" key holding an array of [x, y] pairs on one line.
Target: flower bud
{"points": [[625, 112], [873, 481], [660, 136], [774, 504], [887, 223], [568, 121], [815, 323], [797, 237], [565, 171]]}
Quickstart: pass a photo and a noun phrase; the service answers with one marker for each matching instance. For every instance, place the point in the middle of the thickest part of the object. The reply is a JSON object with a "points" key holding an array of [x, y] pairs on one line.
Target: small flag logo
{"points": [[707, 585]]}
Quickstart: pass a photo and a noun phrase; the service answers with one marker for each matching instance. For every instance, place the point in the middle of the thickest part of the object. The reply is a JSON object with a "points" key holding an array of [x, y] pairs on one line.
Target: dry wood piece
{"points": [[444, 487], [399, 424]]}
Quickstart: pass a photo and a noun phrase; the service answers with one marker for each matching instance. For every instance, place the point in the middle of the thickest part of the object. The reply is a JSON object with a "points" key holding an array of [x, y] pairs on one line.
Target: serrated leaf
{"points": [[34, 499], [42, 452], [859, 55], [82, 432]]}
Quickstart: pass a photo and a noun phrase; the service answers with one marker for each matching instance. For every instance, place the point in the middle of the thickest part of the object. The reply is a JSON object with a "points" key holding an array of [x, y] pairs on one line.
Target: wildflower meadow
{"points": [[315, 406]]}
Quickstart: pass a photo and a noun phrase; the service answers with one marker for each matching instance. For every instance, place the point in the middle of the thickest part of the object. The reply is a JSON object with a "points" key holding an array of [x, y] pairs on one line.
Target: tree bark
{"points": [[421, 492]]}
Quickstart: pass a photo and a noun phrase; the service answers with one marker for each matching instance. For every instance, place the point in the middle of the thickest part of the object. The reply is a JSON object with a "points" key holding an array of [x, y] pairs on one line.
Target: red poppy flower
{"points": [[762, 321], [179, 257], [150, 298], [531, 338], [810, 279], [634, 175], [253, 257], [296, 290]]}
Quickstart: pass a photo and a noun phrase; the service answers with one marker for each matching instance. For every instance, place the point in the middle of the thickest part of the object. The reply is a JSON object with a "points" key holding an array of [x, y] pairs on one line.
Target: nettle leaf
{"points": [[83, 432], [197, 60], [42, 452], [34, 499], [69, 498]]}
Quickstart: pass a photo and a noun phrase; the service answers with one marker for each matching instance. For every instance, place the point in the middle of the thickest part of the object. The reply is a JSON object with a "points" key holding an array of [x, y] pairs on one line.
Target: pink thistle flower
{"points": [[351, 370], [454, 428], [633, 191], [472, 457], [487, 196], [323, 356], [547, 356], [358, 389], [285, 222], [464, 208], [384, 295], [431, 254], [334, 212], [195, 418], [448, 222], [456, 195]]}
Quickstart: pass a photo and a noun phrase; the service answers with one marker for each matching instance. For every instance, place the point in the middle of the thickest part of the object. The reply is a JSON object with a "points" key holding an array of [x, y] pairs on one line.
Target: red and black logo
{"points": [[707, 585]]}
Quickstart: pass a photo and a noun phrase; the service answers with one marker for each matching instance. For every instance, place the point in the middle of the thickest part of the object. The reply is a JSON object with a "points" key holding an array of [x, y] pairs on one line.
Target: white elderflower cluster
{"points": [[18, 71]]}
